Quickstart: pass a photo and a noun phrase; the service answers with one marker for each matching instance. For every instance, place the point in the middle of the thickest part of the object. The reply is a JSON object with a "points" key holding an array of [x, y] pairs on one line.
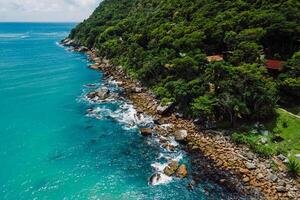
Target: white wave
{"points": [[52, 34], [126, 114], [159, 167], [13, 35]]}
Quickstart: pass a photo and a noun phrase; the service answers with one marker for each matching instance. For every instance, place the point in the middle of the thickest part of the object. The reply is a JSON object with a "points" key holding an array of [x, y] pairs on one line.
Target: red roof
{"points": [[274, 64], [215, 58]]}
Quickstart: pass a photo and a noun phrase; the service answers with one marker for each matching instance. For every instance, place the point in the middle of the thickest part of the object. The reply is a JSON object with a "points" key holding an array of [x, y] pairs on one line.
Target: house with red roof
{"points": [[274, 65]]}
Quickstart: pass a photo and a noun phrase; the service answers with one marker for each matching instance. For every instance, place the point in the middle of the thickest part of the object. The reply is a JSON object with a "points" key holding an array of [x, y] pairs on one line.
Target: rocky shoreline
{"points": [[214, 157]]}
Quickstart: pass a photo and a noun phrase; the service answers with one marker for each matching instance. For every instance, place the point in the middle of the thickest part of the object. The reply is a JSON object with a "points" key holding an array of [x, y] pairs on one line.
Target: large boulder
{"points": [[103, 92], [181, 171], [99, 94], [146, 131], [181, 135], [164, 109], [171, 168], [154, 179]]}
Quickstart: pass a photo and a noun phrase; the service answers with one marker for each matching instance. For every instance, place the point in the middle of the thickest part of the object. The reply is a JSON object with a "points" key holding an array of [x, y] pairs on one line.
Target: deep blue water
{"points": [[49, 147]]}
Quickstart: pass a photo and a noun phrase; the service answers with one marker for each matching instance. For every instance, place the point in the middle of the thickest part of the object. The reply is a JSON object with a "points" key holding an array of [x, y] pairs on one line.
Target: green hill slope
{"points": [[164, 43]]}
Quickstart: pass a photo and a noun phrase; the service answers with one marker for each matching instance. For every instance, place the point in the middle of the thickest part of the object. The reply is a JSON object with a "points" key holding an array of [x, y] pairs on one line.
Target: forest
{"points": [[166, 43]]}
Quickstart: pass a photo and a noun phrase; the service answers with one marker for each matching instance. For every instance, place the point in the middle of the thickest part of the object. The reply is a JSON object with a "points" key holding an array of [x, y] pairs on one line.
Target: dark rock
{"points": [[146, 131], [164, 109], [154, 178]]}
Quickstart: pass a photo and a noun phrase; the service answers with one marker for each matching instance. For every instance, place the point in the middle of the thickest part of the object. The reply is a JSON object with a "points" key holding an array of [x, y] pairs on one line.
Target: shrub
{"points": [[293, 167]]}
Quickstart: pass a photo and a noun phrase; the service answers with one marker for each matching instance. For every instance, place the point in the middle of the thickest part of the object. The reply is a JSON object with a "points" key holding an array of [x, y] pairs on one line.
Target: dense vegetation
{"points": [[164, 43]]}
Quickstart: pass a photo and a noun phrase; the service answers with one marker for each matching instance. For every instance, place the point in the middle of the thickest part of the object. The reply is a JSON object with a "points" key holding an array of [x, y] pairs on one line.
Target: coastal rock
{"points": [[99, 94], [146, 131], [137, 89], [250, 165], [154, 179], [181, 135], [94, 67], [103, 93], [82, 49], [171, 168], [281, 189], [164, 109], [181, 171], [68, 42]]}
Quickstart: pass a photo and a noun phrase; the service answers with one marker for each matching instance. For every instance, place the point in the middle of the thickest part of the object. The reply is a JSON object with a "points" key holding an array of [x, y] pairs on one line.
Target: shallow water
{"points": [[50, 148]]}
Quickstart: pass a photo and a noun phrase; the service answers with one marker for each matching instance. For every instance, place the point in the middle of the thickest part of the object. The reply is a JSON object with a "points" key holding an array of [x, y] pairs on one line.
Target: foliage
{"points": [[289, 80], [293, 167], [164, 44]]}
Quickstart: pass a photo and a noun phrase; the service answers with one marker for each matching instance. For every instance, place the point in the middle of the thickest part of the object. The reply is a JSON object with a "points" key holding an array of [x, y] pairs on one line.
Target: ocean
{"points": [[50, 148]]}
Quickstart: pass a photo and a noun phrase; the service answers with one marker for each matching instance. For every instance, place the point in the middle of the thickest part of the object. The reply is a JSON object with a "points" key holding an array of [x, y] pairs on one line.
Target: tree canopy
{"points": [[164, 43]]}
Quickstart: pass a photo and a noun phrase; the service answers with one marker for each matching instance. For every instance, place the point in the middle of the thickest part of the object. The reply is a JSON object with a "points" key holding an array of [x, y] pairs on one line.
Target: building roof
{"points": [[274, 64], [215, 58]]}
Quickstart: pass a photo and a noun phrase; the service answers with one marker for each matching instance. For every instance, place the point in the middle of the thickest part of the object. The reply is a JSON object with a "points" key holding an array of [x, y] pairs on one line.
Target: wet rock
{"points": [[171, 168], [168, 146], [99, 94], [182, 171], [146, 131], [181, 135], [154, 178], [94, 67], [250, 165], [164, 109]]}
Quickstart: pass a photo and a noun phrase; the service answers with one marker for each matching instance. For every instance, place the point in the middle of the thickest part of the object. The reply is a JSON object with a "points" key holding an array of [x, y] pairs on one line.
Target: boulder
{"points": [[154, 179], [164, 109], [103, 93], [146, 131], [171, 168], [137, 89], [99, 94], [281, 189], [181, 171], [82, 49], [263, 140], [94, 67], [283, 158], [250, 165], [180, 135]]}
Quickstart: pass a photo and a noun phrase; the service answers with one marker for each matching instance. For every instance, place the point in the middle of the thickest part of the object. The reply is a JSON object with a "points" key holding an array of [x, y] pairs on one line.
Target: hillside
{"points": [[165, 44]]}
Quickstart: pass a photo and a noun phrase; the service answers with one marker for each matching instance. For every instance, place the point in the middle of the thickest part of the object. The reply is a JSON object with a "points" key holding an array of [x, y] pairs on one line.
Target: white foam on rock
{"points": [[164, 179], [126, 115]]}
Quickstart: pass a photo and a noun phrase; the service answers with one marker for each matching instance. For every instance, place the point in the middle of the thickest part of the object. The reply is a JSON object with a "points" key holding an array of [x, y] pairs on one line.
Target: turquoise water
{"points": [[49, 147]]}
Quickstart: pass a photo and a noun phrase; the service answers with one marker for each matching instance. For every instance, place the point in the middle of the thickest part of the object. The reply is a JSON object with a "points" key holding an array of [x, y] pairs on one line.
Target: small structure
{"points": [[274, 64], [215, 58]]}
